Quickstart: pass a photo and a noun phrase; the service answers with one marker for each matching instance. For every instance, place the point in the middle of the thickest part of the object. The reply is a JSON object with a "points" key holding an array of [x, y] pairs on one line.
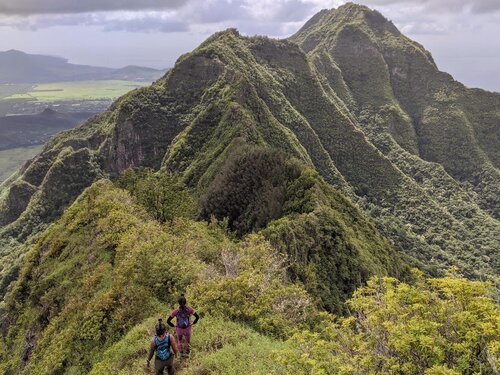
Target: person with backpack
{"points": [[165, 347], [183, 326]]}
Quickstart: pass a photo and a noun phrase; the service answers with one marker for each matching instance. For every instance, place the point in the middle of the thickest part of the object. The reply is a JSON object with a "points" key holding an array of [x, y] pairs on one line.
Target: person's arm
{"points": [[173, 343], [173, 314], [196, 317], [152, 349], [169, 321]]}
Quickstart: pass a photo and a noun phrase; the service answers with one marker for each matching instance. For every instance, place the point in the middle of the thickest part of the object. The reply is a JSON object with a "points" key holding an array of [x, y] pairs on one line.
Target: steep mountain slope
{"points": [[235, 90], [21, 67], [311, 164], [352, 121], [424, 110], [141, 266], [421, 119], [193, 122], [92, 286]]}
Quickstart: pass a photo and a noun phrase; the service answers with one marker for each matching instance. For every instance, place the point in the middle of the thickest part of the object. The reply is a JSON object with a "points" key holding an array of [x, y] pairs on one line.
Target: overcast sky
{"points": [[462, 35]]}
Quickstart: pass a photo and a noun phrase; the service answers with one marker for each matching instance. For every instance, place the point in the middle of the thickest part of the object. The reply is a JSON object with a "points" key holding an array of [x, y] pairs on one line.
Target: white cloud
{"points": [[415, 28], [28, 7], [274, 17], [473, 6], [110, 21]]}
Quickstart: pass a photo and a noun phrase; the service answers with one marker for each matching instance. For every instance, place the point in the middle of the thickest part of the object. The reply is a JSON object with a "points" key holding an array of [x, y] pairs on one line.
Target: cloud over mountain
{"points": [[473, 6], [256, 17]]}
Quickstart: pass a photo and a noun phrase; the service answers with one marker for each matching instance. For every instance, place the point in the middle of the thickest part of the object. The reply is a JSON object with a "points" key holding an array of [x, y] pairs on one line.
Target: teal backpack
{"points": [[163, 348]]}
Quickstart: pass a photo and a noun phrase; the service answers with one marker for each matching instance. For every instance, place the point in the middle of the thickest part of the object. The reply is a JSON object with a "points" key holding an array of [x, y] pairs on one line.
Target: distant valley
{"points": [[29, 130], [42, 95], [28, 83], [72, 96]]}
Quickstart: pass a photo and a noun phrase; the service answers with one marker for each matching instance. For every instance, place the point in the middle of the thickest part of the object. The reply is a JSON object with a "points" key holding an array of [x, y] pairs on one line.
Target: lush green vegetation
{"points": [[444, 326], [331, 246], [270, 185], [162, 195], [228, 348], [250, 190], [235, 92], [78, 90], [417, 116], [92, 286], [107, 265]]}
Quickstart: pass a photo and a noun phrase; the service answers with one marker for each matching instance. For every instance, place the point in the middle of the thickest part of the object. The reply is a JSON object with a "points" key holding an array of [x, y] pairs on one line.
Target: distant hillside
{"points": [[28, 130], [20, 67]]}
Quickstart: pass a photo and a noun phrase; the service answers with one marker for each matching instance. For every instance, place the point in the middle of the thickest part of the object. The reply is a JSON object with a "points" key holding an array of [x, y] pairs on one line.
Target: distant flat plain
{"points": [[60, 91]]}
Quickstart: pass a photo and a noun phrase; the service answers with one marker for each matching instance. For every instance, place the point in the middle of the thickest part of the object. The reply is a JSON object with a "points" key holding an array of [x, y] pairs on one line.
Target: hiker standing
{"points": [[165, 347], [183, 326]]}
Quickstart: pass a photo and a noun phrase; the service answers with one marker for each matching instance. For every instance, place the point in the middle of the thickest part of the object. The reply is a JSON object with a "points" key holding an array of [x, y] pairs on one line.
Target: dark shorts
{"points": [[162, 365]]}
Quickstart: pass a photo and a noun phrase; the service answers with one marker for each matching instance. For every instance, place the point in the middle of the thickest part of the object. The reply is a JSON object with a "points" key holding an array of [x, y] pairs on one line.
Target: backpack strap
{"points": [[158, 342]]}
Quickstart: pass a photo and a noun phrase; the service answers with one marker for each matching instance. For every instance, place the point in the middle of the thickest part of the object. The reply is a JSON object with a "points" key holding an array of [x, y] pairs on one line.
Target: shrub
{"points": [[253, 288], [160, 193], [443, 326]]}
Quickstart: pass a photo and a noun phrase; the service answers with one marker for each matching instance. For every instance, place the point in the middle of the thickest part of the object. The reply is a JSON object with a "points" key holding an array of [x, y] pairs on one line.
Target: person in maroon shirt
{"points": [[183, 326]]}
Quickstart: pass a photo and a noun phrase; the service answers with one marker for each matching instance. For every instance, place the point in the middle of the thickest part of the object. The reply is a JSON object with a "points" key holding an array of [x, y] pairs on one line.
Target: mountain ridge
{"points": [[275, 181], [287, 120]]}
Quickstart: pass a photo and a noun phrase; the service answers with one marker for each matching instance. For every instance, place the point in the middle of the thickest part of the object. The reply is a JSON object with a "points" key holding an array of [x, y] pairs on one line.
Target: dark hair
{"points": [[160, 327], [182, 300]]}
